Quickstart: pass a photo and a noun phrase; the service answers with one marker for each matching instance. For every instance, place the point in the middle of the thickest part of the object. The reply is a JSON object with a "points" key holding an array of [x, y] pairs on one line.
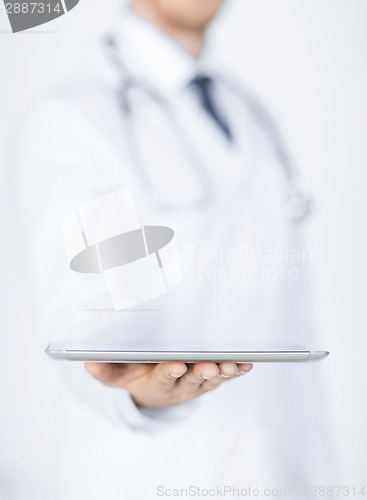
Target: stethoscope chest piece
{"points": [[298, 206]]}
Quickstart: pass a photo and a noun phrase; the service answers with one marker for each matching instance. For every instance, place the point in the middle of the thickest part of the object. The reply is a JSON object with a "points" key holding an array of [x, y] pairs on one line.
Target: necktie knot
{"points": [[202, 81]]}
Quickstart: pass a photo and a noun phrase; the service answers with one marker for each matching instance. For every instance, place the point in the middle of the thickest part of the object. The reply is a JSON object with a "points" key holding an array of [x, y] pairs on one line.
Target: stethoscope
{"points": [[298, 204]]}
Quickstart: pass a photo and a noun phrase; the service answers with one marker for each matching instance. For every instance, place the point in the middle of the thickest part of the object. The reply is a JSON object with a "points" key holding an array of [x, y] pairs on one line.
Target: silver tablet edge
{"points": [[58, 353]]}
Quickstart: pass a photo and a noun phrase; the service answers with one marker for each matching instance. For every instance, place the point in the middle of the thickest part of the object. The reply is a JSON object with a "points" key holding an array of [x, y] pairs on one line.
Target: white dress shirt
{"points": [[226, 202]]}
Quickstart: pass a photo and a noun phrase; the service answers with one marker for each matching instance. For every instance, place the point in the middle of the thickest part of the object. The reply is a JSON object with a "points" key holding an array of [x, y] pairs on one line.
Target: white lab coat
{"points": [[262, 430]]}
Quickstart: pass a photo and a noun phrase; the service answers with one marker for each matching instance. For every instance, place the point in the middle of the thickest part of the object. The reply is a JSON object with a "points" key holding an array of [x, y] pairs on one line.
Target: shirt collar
{"points": [[152, 55]]}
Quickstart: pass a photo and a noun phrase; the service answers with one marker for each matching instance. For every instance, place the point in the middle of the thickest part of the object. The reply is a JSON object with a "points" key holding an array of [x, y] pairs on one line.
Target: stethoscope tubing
{"points": [[298, 205]]}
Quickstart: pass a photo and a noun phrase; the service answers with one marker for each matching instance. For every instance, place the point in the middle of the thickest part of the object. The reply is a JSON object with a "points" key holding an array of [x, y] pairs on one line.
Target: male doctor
{"points": [[154, 114]]}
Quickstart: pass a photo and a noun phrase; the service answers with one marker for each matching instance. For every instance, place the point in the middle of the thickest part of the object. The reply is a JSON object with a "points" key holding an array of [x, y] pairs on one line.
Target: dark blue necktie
{"points": [[204, 88]]}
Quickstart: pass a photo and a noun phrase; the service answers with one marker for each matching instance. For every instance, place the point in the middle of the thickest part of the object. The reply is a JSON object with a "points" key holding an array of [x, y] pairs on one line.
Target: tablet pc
{"points": [[140, 352]]}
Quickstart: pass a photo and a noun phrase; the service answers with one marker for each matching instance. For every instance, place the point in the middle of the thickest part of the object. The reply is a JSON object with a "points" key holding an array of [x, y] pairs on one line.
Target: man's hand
{"points": [[165, 384]]}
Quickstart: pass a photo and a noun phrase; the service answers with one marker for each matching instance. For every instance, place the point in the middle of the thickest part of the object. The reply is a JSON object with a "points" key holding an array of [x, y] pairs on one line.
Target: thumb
{"points": [[104, 372]]}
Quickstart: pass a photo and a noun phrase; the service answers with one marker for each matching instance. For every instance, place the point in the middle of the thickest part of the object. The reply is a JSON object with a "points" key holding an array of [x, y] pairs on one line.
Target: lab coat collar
{"points": [[152, 55]]}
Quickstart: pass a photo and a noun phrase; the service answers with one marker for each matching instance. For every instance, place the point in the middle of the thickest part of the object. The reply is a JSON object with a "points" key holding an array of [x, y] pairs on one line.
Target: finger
{"points": [[209, 385], [244, 367], [196, 375], [167, 374], [228, 370]]}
